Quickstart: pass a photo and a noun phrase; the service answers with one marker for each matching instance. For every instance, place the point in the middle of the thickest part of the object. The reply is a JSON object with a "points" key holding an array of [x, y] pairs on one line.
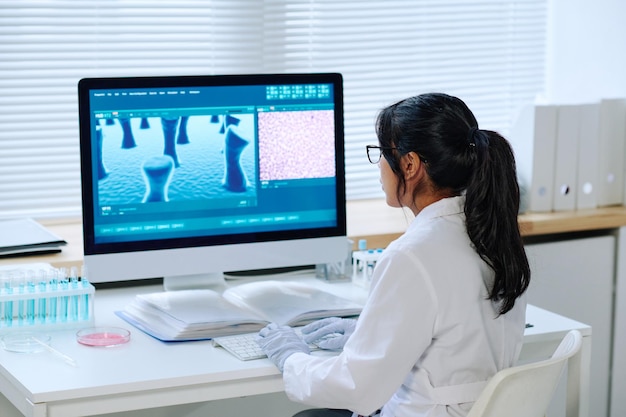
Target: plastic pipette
{"points": [[55, 352]]}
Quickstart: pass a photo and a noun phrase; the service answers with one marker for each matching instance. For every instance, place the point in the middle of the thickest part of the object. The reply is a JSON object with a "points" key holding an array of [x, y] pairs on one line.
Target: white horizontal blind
{"points": [[47, 46], [490, 53]]}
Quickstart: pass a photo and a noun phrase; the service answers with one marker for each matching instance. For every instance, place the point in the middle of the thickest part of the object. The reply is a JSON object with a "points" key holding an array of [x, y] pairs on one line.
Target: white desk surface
{"points": [[147, 373]]}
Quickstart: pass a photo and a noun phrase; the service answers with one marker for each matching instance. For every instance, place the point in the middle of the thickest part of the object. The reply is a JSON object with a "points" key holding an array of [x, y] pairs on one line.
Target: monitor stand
{"points": [[213, 281]]}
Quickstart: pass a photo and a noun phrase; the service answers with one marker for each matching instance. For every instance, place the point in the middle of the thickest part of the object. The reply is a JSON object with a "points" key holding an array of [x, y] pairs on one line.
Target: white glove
{"points": [[318, 331], [280, 342]]}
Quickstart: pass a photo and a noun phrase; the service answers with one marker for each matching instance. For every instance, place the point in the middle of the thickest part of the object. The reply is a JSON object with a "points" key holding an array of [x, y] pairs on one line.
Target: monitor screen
{"points": [[191, 176]]}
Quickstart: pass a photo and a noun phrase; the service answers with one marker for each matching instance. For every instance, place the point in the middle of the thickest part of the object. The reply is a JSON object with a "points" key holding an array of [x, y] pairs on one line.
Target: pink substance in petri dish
{"points": [[103, 336]]}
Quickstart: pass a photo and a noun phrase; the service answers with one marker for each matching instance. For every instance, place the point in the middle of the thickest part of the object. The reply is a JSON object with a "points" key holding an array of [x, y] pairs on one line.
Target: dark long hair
{"points": [[459, 158]]}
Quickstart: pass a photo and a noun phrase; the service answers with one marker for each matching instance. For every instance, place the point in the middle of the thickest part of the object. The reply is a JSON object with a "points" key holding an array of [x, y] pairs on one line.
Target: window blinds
{"points": [[491, 53]]}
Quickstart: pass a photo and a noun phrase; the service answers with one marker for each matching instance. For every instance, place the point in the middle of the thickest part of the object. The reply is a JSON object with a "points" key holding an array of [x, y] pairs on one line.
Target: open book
{"points": [[204, 313]]}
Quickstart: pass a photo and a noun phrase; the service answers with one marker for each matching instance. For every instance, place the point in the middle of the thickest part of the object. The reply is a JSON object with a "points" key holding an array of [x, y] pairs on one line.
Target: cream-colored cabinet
{"points": [[618, 371], [574, 276]]}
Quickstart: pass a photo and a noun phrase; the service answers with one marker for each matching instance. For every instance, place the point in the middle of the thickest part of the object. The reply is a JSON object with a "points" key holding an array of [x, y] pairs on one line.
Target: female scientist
{"points": [[446, 309]]}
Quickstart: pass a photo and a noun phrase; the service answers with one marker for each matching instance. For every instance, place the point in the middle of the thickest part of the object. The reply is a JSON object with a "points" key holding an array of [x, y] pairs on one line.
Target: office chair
{"points": [[526, 390]]}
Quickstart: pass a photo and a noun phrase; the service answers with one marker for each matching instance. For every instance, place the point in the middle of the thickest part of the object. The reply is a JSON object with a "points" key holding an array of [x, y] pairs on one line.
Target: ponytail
{"points": [[491, 209]]}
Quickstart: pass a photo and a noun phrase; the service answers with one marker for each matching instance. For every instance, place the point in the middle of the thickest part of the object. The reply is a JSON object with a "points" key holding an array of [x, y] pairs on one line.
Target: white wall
{"points": [[587, 62], [586, 51]]}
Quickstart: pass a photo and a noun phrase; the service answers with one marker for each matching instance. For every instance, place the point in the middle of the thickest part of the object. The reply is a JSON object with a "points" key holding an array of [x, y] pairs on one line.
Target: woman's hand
{"points": [[330, 333], [280, 342]]}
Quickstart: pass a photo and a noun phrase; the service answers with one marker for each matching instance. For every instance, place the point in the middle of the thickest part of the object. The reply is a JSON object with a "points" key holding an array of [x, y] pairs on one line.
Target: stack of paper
{"points": [[25, 237], [204, 314]]}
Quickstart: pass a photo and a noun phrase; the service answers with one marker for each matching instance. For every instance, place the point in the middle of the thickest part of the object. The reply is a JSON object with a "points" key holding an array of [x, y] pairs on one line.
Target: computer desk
{"points": [[147, 373]]}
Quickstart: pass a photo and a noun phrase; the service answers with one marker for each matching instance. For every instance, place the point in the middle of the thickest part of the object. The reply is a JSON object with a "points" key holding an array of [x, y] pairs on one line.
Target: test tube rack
{"points": [[363, 263], [35, 306]]}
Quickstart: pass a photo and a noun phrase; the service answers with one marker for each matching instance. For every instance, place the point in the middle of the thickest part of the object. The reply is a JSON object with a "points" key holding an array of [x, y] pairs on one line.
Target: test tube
{"points": [[371, 263], [63, 299], [73, 308], [18, 284], [31, 285], [42, 312], [362, 245], [1, 300], [85, 310], [8, 304], [53, 284]]}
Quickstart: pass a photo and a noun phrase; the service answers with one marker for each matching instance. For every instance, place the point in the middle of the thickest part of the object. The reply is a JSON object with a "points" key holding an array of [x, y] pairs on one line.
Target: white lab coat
{"points": [[428, 338]]}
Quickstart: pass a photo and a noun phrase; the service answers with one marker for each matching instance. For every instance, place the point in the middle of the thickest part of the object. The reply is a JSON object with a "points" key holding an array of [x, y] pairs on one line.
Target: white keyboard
{"points": [[244, 346]]}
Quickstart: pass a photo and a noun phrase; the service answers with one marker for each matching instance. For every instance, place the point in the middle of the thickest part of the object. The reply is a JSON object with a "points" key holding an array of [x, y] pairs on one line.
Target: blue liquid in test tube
{"points": [[1, 302], [53, 284], [64, 299], [8, 305], [42, 312], [18, 284], [85, 284], [31, 286], [74, 298]]}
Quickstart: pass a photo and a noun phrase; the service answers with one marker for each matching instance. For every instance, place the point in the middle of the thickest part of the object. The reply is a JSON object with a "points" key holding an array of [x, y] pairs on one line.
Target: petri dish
{"points": [[25, 342], [103, 336]]}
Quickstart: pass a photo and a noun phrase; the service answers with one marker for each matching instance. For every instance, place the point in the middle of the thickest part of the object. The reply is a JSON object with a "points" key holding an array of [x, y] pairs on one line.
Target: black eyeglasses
{"points": [[375, 152]]}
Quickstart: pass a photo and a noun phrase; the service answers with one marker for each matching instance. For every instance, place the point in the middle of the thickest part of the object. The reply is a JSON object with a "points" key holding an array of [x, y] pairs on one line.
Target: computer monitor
{"points": [[188, 177]]}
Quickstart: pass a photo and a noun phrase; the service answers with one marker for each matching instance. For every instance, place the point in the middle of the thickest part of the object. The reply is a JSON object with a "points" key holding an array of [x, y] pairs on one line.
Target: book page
{"points": [[290, 303], [166, 328], [198, 308]]}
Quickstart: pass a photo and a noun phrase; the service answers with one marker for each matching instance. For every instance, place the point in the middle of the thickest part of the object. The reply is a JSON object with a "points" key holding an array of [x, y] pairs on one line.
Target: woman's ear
{"points": [[412, 166]]}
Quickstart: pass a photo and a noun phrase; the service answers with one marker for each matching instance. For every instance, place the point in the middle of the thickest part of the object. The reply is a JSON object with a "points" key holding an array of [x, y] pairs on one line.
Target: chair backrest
{"points": [[526, 390]]}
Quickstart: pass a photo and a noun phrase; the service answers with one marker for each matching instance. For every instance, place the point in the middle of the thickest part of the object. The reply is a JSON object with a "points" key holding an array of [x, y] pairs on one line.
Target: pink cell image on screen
{"points": [[296, 144]]}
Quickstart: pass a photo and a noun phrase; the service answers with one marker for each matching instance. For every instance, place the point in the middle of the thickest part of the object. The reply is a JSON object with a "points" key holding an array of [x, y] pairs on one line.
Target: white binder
{"points": [[588, 148], [566, 158], [533, 138], [611, 152]]}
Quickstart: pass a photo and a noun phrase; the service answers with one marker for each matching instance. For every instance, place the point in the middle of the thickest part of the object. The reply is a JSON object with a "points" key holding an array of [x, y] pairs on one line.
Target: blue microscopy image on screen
{"points": [[157, 159]]}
